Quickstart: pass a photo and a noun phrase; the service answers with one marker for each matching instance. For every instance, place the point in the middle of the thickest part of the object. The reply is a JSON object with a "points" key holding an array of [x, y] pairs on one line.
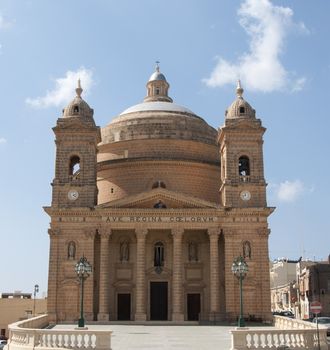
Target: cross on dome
{"points": [[239, 89], [79, 90]]}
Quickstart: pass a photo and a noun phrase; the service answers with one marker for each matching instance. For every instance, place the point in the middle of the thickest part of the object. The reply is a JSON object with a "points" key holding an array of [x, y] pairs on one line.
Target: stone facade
{"points": [[161, 204]]}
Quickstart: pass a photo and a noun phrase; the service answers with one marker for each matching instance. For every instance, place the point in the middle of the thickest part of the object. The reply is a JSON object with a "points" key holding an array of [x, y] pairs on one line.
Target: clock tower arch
{"points": [[242, 169], [76, 141]]}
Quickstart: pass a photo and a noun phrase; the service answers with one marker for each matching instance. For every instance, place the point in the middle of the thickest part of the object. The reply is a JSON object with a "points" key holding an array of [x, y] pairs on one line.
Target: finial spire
{"points": [[239, 89], [79, 90], [157, 66]]}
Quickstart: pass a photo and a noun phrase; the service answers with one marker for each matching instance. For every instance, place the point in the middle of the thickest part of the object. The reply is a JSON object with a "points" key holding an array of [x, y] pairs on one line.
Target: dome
{"points": [[157, 75], [240, 108], [78, 107], [158, 118], [156, 106]]}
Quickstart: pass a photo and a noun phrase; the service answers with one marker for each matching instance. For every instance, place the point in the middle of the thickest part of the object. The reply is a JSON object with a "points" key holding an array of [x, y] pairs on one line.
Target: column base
{"points": [[140, 316], [215, 316], [102, 316], [89, 316], [177, 317]]}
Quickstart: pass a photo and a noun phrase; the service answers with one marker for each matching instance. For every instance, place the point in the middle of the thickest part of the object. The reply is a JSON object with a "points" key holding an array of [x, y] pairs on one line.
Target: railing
{"points": [[27, 335], [244, 178], [287, 334]]}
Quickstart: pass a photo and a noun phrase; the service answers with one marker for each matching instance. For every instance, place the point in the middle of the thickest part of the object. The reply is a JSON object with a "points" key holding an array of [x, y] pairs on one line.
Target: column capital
{"points": [[214, 231], [264, 231], [141, 233], [177, 232], [104, 232], [90, 233], [54, 232]]}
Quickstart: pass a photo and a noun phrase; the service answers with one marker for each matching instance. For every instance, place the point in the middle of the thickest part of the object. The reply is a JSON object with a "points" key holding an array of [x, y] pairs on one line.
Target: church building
{"points": [[161, 204]]}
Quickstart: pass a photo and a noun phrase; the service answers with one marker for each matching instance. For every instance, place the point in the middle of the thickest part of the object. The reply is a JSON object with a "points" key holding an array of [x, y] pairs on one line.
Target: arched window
{"points": [[241, 110], [74, 168], [244, 166], [159, 254], [158, 184], [75, 109], [157, 91]]}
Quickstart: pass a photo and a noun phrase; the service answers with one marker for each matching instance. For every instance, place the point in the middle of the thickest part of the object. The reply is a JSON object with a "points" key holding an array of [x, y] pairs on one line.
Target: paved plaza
{"points": [[166, 337]]}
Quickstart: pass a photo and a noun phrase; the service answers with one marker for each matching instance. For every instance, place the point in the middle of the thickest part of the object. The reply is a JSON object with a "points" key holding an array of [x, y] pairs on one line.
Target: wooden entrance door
{"points": [[193, 306], [158, 301], [124, 307]]}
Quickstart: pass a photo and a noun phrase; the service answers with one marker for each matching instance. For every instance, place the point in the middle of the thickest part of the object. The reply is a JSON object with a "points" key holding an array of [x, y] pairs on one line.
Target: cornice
{"points": [[155, 160]]}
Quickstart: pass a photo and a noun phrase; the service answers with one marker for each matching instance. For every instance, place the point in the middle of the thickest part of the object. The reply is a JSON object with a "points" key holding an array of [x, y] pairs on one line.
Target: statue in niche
{"points": [[124, 251], [192, 251], [247, 250], [71, 250]]}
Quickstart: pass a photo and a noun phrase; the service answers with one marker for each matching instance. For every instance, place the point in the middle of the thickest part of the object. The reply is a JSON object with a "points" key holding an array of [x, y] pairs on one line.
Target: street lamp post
{"points": [[36, 290], [240, 269], [83, 269]]}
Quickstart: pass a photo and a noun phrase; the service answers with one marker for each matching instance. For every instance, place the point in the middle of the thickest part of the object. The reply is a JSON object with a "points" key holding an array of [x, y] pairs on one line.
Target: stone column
{"points": [[177, 291], [140, 304], [89, 282], [104, 291], [214, 274], [52, 275]]}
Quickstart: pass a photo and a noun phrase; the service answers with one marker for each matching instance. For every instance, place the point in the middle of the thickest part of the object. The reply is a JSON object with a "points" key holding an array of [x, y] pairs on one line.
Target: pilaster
{"points": [[140, 311], [214, 273], [53, 275], [104, 291], [177, 291], [89, 285]]}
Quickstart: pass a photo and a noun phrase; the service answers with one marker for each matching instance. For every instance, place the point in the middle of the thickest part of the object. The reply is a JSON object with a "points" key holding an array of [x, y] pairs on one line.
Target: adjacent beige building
{"points": [[160, 203], [18, 306]]}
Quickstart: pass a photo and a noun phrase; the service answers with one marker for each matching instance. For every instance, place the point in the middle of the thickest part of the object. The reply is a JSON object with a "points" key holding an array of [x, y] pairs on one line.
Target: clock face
{"points": [[73, 195], [245, 195]]}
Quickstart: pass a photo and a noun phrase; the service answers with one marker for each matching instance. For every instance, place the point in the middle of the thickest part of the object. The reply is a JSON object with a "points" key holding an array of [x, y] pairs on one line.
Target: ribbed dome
{"points": [[78, 107], [240, 108]]}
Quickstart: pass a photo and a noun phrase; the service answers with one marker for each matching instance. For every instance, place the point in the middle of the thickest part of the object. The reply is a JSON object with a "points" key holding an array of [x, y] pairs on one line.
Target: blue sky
{"points": [[279, 49]]}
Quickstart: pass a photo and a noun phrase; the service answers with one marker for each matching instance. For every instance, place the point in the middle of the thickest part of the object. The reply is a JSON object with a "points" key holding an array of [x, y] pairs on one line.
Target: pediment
{"points": [[159, 195]]}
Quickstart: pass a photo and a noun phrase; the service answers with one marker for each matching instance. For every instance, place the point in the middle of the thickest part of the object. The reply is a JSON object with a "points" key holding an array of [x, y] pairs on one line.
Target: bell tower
{"points": [[242, 169], [76, 141]]}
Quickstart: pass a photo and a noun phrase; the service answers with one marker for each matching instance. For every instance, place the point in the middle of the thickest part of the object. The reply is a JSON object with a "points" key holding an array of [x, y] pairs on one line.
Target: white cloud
{"points": [[2, 140], [64, 90], [260, 68], [5, 23], [289, 191]]}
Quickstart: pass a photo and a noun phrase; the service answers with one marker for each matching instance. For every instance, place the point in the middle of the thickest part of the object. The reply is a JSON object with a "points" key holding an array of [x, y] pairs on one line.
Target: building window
{"points": [[157, 91], [159, 184], [241, 110], [159, 254], [244, 166], [74, 166], [75, 109]]}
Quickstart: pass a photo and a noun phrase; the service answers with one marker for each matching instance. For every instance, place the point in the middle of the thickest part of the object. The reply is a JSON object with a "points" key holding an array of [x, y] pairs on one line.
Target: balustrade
{"points": [[27, 335], [287, 334]]}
